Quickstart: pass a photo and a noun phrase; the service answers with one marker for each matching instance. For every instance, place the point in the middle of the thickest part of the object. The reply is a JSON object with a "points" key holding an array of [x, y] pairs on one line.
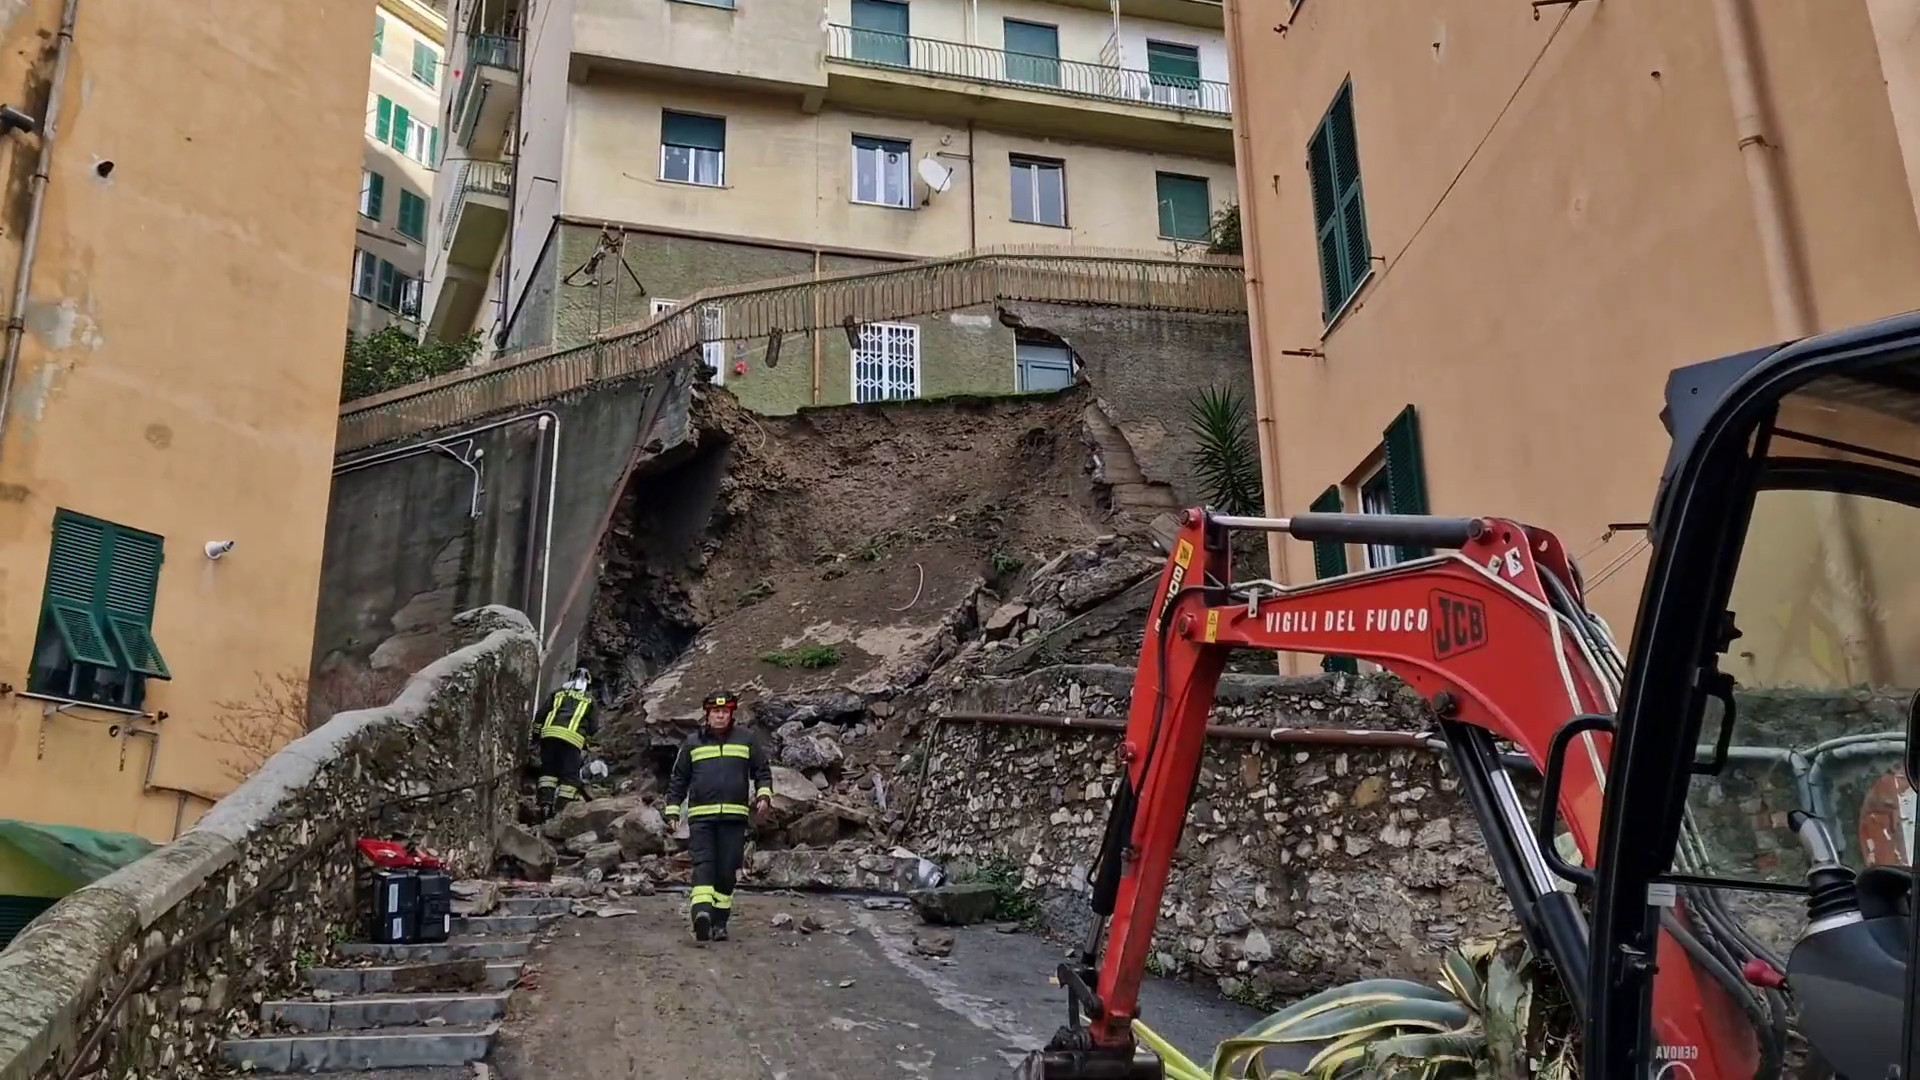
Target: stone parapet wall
{"points": [[143, 972], [1301, 867]]}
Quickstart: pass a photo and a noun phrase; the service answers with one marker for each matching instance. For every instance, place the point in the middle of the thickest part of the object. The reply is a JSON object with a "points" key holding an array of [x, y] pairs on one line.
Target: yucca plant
{"points": [[1226, 457], [1480, 1024]]}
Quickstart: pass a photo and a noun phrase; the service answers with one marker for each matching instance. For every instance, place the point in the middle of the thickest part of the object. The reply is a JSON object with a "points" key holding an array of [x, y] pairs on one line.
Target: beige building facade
{"points": [[170, 415], [616, 156], [1478, 242], [402, 148]]}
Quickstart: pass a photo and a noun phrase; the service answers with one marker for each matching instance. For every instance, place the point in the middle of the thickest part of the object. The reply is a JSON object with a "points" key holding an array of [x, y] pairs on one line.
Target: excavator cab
{"points": [[1721, 854], [1762, 774]]}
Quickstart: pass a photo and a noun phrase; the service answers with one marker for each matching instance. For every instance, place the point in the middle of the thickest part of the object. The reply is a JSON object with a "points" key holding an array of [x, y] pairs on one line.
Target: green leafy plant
{"points": [[390, 358], [805, 656], [1483, 1021], [1004, 562], [1226, 458], [1012, 900], [1225, 231]]}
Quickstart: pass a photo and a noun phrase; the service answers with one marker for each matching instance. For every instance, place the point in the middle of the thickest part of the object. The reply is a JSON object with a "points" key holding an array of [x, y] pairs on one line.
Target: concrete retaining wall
{"points": [[178, 934]]}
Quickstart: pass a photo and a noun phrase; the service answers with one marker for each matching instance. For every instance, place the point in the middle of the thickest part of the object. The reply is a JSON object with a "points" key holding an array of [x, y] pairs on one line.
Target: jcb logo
{"points": [[1459, 624]]}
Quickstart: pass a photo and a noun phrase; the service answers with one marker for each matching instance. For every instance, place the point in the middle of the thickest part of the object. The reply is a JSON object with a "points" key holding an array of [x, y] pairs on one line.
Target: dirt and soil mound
{"points": [[832, 549]]}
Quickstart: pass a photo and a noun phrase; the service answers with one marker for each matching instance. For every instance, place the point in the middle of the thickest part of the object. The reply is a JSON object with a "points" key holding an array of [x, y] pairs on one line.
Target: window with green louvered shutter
{"points": [[1406, 471], [1330, 560], [383, 120], [402, 122], [16, 912], [426, 65], [413, 216], [379, 34], [1339, 213], [95, 642], [1185, 206]]}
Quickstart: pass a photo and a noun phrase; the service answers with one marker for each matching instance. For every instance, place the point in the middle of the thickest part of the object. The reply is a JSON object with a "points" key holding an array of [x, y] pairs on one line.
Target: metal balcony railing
{"points": [[488, 50], [476, 177], [1073, 78]]}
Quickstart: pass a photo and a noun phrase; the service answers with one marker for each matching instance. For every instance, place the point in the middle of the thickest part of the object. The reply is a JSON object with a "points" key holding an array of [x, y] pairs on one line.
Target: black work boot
{"points": [[720, 928], [702, 927]]}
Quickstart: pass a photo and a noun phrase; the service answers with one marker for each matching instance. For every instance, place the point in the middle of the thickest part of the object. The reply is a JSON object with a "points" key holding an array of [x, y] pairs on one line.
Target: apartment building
{"points": [[1484, 232], [607, 158], [397, 174], [167, 422]]}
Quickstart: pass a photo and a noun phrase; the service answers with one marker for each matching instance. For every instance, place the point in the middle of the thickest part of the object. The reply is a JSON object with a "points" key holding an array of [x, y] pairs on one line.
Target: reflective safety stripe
{"points": [[764, 793], [701, 894], [708, 753], [567, 728], [674, 810], [721, 900], [549, 781], [568, 791], [719, 810]]}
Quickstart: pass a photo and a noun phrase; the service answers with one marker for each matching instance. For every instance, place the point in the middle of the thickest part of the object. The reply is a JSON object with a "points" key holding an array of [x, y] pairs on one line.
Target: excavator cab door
{"points": [[1774, 679]]}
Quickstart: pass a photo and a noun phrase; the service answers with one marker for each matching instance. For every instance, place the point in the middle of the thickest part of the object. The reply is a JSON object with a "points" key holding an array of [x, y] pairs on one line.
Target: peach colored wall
{"points": [[181, 367], [1602, 235]]}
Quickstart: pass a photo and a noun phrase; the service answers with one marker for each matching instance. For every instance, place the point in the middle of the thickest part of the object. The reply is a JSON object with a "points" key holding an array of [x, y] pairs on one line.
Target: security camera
{"points": [[217, 548]]}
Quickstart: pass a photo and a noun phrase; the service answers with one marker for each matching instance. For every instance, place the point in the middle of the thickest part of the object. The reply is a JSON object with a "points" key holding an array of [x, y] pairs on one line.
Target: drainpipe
{"points": [[36, 209], [1264, 425], [1786, 277], [973, 193], [815, 332]]}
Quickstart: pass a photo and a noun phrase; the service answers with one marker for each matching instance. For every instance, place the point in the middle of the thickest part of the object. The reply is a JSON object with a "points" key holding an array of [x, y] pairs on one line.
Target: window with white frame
{"points": [[1039, 190], [880, 173], [419, 141], [693, 149], [385, 284], [373, 187], [1377, 498], [886, 366], [713, 326]]}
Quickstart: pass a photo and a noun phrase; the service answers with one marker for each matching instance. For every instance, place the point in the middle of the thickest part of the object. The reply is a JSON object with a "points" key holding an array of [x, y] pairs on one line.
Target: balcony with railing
{"points": [[475, 217], [484, 102], [933, 61]]}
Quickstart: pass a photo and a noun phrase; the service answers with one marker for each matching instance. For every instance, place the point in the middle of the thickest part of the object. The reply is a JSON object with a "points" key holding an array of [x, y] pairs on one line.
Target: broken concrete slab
{"points": [[454, 975], [503, 948], [386, 1011], [956, 905], [498, 925]]}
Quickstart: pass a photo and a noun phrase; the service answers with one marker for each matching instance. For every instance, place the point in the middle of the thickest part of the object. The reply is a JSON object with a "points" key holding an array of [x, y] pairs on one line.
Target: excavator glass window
{"points": [[1826, 605]]}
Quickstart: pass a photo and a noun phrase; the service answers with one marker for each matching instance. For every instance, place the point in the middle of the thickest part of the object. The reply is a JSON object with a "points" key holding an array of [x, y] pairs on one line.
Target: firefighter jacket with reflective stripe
{"points": [[571, 718], [719, 775]]}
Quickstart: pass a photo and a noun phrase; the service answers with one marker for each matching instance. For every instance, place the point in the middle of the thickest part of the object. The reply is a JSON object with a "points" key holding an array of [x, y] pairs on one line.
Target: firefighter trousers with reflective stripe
{"points": [[559, 773], [717, 845]]}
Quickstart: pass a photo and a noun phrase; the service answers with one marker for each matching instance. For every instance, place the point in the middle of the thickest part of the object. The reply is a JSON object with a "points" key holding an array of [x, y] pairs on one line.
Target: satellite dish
{"points": [[936, 175]]}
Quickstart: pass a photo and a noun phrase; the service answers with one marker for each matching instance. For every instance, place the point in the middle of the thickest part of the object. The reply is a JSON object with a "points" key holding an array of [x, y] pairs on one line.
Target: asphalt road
{"points": [[633, 997]]}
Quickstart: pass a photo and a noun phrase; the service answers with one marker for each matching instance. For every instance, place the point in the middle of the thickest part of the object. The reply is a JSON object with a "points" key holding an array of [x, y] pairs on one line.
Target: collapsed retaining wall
{"points": [[1301, 867], [167, 956]]}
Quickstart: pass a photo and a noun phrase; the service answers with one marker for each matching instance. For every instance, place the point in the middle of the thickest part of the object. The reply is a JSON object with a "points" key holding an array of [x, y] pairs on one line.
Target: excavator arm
{"points": [[1492, 632]]}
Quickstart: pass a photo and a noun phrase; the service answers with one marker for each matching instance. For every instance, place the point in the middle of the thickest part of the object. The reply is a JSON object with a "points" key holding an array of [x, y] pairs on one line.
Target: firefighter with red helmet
{"points": [[723, 778]]}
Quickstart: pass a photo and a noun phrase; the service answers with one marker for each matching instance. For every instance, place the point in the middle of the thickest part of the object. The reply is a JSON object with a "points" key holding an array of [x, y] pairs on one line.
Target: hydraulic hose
{"points": [[1772, 1052]]}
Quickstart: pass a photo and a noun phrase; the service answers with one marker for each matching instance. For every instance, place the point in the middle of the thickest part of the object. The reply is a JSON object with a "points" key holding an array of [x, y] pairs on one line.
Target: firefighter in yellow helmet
{"points": [[723, 777], [563, 735]]}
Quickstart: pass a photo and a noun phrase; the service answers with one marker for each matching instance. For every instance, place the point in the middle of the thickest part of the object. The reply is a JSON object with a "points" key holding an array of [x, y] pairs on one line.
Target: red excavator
{"points": [[1774, 657]]}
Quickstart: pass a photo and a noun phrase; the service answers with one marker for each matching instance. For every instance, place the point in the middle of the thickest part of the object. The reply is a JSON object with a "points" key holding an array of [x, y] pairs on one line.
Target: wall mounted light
{"points": [[217, 548]]}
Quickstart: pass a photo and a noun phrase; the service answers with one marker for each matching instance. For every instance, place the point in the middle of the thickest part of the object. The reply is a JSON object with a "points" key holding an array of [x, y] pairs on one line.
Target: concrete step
{"points": [[386, 1011], [412, 978], [499, 925], [396, 1048], [534, 905], [499, 948]]}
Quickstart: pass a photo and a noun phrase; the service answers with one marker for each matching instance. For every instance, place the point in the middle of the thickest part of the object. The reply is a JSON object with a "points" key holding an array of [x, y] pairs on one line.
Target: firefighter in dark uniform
{"points": [[724, 778], [570, 721]]}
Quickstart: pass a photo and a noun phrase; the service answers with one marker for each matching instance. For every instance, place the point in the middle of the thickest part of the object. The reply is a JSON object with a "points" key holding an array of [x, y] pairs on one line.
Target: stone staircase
{"points": [[414, 1007]]}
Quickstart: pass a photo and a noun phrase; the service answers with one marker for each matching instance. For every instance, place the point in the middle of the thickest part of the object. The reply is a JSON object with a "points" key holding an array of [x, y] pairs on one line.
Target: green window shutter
{"points": [[1033, 52], [1406, 471], [379, 34], [433, 147], [884, 16], [880, 32], [1339, 212], [698, 132], [383, 120], [376, 194], [16, 912], [413, 216], [74, 566], [401, 123], [1185, 206], [133, 583], [1173, 65], [1330, 560], [425, 64]]}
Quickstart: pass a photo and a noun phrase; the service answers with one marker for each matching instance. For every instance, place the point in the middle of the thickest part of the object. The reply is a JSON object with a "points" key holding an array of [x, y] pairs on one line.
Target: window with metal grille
{"points": [[880, 173], [95, 642], [713, 327], [886, 366], [1339, 215], [693, 149]]}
